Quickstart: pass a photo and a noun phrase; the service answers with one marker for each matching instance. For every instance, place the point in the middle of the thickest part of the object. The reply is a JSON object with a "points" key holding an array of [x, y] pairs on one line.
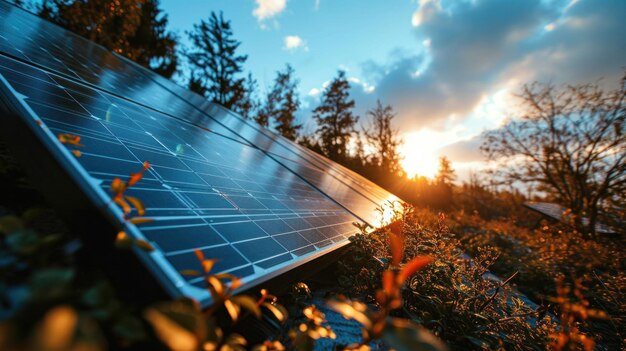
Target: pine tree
{"points": [[135, 29], [335, 119], [215, 63], [248, 105], [384, 139], [154, 47], [445, 174], [283, 102]]}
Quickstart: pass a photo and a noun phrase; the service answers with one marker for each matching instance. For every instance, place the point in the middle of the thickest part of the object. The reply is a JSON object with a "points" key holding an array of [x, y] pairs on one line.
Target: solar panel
{"points": [[258, 202], [50, 46], [561, 214]]}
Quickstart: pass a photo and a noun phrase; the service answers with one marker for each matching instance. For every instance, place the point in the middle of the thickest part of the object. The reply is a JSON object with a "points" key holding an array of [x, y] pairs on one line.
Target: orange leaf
{"points": [[137, 203], [217, 285], [144, 245], [396, 227], [413, 266], [388, 282], [228, 276], [122, 241], [118, 186], [134, 178], [121, 235], [69, 139], [140, 220], [396, 242], [199, 255], [76, 153], [279, 313], [123, 204], [189, 272], [232, 309], [235, 283], [207, 265], [170, 332], [146, 165]]}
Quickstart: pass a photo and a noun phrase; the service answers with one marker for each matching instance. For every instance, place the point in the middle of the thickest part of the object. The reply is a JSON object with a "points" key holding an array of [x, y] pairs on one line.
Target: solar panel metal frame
{"points": [[343, 176], [167, 277]]}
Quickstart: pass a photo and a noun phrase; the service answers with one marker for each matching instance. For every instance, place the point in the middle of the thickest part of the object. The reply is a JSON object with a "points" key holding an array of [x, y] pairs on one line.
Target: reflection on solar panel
{"points": [[256, 201], [559, 213]]}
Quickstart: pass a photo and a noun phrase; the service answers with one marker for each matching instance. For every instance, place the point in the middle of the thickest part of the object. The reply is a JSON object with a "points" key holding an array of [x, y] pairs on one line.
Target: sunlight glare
{"points": [[387, 212], [419, 151]]}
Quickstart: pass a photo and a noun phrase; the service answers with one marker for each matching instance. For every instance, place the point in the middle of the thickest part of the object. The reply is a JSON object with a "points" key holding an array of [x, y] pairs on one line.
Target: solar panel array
{"points": [[258, 202]]}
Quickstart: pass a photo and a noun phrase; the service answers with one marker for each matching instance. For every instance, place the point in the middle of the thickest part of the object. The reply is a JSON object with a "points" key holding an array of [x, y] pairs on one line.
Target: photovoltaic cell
{"points": [[45, 44], [258, 202], [28, 38]]}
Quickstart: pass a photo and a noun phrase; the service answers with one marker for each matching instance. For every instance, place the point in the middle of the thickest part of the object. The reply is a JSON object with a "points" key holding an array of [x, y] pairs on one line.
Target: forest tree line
{"points": [[571, 139]]}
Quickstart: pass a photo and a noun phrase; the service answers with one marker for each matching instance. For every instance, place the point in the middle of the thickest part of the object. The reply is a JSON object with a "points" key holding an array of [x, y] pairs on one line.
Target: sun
{"points": [[419, 152]]}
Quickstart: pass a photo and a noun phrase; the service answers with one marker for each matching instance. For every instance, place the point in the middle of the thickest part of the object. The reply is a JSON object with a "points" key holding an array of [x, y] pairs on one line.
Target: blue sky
{"points": [[448, 67]]}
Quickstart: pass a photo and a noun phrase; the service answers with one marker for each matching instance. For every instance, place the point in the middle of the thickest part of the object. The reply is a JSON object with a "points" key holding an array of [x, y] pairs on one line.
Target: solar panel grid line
{"points": [[314, 157], [66, 158], [260, 261], [377, 200], [227, 135], [128, 114], [138, 71], [359, 215]]}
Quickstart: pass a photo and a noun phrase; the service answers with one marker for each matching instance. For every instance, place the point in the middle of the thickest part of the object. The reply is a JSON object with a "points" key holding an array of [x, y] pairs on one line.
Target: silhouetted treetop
{"points": [[136, 29], [215, 64], [335, 119], [569, 142], [282, 103], [384, 139]]}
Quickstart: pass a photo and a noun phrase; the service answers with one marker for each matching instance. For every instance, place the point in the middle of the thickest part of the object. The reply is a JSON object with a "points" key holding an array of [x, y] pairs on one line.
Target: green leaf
{"points": [[23, 242], [10, 224], [52, 282], [404, 335]]}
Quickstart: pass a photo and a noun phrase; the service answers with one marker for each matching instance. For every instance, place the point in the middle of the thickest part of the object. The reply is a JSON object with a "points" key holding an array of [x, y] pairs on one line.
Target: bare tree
{"points": [[384, 138], [570, 143]]}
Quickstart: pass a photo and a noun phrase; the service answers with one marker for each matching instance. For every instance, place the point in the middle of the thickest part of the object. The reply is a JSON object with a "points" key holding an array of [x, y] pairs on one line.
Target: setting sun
{"points": [[420, 152]]}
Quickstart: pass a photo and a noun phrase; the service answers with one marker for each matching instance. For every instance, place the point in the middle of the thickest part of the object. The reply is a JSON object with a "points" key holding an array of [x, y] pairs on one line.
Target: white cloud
{"points": [[293, 42], [314, 92], [268, 8], [426, 9]]}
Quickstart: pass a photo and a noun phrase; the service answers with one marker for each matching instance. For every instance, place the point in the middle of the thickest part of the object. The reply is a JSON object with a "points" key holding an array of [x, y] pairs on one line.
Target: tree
{"points": [[135, 29], [570, 142], [384, 139], [215, 63], [335, 119], [155, 47], [282, 103], [248, 105], [445, 174]]}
